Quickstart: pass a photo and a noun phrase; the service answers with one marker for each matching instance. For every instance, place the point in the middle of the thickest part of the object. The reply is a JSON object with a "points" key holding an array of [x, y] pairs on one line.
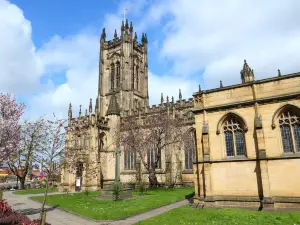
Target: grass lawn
{"points": [[34, 191], [188, 215], [109, 210]]}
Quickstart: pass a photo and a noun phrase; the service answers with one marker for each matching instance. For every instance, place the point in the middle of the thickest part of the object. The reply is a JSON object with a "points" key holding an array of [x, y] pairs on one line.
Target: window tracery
{"points": [[112, 76]]}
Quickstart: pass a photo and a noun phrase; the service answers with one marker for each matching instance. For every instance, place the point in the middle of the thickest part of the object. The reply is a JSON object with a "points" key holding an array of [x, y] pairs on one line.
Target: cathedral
{"points": [[122, 92], [248, 143]]}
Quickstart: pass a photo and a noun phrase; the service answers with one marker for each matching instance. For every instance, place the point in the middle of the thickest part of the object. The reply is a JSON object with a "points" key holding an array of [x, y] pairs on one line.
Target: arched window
{"points": [[289, 123], [137, 77], [112, 76], [129, 160], [152, 155], [234, 136], [118, 75], [189, 149]]}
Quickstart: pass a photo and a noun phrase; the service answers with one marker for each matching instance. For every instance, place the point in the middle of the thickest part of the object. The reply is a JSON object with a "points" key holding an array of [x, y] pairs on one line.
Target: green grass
{"points": [[188, 215], [109, 210], [34, 191]]}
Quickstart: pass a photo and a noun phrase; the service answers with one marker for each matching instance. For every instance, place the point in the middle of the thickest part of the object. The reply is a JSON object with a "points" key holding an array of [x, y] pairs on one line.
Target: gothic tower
{"points": [[123, 70]]}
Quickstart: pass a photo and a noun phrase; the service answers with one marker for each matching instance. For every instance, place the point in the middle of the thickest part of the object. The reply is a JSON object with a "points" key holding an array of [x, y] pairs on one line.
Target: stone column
{"points": [[117, 166]]}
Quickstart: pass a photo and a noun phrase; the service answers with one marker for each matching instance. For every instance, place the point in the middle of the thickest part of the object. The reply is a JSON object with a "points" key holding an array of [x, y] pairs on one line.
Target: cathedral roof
{"points": [[113, 107]]}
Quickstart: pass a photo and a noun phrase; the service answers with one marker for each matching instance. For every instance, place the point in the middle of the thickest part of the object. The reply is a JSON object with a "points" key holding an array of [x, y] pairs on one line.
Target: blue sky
{"points": [[49, 49]]}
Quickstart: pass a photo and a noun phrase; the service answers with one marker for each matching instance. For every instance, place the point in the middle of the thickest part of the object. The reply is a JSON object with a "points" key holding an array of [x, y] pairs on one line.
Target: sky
{"points": [[49, 50]]}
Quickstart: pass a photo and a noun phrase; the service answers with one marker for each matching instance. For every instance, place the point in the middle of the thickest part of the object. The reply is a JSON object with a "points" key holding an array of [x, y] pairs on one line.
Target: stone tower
{"points": [[123, 70]]}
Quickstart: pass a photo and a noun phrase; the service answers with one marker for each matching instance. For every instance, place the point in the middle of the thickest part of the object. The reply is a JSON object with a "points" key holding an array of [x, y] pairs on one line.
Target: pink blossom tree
{"points": [[10, 114]]}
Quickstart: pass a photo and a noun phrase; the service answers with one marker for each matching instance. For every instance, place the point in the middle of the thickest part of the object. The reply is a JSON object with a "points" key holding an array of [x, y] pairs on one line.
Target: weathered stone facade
{"points": [[248, 143], [122, 92]]}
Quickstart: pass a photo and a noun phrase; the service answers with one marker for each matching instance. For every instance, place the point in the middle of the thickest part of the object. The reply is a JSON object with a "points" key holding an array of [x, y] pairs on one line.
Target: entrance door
{"points": [[78, 179]]}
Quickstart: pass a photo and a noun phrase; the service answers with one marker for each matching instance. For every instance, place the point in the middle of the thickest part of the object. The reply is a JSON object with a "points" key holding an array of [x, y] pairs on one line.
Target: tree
{"points": [[50, 153], [10, 114], [32, 137], [153, 133]]}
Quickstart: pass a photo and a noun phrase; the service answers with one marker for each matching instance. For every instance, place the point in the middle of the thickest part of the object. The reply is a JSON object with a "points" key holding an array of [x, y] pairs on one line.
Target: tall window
{"points": [[129, 160], [112, 75], [289, 124], [137, 77], [234, 137], [152, 155], [189, 149], [132, 79], [118, 75]]}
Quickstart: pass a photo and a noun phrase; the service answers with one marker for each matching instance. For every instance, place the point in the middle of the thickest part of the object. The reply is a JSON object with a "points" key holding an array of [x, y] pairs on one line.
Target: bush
{"points": [[9, 217], [142, 187], [117, 188]]}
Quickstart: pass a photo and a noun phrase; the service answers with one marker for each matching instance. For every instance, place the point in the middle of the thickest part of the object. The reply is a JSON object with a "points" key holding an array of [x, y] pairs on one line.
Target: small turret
{"points": [[96, 106], [135, 37], [279, 73], [86, 113], [91, 106], [79, 115], [247, 74], [180, 95], [115, 35], [103, 35], [221, 84], [172, 100], [162, 99], [167, 100], [126, 26], [122, 26], [199, 87], [131, 28], [70, 113], [146, 39]]}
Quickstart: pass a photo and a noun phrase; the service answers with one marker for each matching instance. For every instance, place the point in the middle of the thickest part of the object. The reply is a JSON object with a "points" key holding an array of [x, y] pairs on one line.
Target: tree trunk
{"points": [[22, 183], [43, 211], [153, 179]]}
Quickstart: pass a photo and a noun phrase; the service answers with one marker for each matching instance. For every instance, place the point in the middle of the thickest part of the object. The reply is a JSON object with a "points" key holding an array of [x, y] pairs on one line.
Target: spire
{"points": [[113, 107], [279, 73], [247, 74], [172, 99], [162, 98], [86, 113], [91, 106], [126, 24], [199, 87], [70, 112], [146, 40], [115, 35], [79, 116], [103, 35], [180, 95], [221, 84], [167, 99], [143, 38]]}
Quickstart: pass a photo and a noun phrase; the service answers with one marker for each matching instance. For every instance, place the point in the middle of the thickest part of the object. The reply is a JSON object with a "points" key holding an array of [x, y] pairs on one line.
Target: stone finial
{"points": [[79, 115], [199, 87], [103, 34], [70, 112], [126, 24], [172, 99], [135, 36], [180, 95], [122, 26], [167, 99], [86, 112], [115, 35], [146, 39], [143, 38], [91, 106], [162, 98], [113, 107], [247, 74], [96, 106], [221, 84], [279, 73], [131, 27]]}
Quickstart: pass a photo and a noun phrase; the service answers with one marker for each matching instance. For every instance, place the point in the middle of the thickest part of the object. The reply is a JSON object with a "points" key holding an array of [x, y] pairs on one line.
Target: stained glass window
{"points": [[234, 137], [152, 155], [112, 76], [118, 75], [189, 149], [289, 124]]}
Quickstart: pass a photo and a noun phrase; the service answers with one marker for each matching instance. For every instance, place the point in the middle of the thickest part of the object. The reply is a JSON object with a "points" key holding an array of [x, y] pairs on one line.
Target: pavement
{"points": [[55, 216]]}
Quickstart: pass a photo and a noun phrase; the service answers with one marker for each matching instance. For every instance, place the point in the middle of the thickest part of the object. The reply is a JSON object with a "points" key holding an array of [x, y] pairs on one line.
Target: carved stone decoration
{"points": [[198, 100]]}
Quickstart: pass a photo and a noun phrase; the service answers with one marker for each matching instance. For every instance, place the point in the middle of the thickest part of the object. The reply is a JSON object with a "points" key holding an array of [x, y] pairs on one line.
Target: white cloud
{"points": [[218, 36], [20, 67]]}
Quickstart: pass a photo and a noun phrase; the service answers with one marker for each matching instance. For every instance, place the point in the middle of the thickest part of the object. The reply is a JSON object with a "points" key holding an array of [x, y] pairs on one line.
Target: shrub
{"points": [[117, 188], [142, 187]]}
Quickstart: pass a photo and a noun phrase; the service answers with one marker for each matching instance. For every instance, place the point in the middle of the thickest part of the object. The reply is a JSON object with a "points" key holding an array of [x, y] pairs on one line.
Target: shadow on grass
{"points": [[31, 211], [190, 197]]}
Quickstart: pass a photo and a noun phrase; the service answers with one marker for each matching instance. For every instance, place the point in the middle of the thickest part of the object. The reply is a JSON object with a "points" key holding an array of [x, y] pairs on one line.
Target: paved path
{"points": [[55, 216]]}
